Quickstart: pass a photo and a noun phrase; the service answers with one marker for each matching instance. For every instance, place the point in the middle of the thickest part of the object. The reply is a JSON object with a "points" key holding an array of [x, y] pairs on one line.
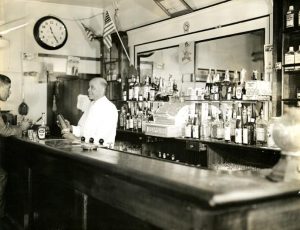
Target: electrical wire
{"points": [[81, 19]]}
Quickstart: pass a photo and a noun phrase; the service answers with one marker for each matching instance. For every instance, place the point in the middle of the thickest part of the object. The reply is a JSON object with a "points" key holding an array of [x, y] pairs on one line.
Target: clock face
{"points": [[50, 33]]}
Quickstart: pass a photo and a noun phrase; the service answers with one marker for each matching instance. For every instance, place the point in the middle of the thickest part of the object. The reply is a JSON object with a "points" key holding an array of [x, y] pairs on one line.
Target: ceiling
{"points": [[133, 13]]}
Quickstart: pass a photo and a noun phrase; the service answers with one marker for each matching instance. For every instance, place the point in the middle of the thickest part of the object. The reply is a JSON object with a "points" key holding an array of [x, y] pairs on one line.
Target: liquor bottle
{"points": [[212, 88], [216, 86], [131, 122], [251, 132], [139, 121], [135, 122], [146, 89], [214, 126], [220, 127], [205, 128], [244, 115], [238, 126], [144, 121], [261, 129], [227, 128], [290, 17], [195, 127], [234, 84], [41, 132], [130, 88], [127, 121], [122, 119], [208, 85], [188, 128], [233, 124], [289, 57], [299, 18], [238, 130], [239, 88], [224, 87], [245, 131]]}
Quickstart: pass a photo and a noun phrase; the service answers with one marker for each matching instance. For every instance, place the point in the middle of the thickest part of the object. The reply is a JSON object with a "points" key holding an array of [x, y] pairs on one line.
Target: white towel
{"points": [[83, 102]]}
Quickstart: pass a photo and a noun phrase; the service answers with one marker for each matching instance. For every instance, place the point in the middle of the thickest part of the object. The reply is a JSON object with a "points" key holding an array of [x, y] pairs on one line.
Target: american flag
{"points": [[109, 27]]}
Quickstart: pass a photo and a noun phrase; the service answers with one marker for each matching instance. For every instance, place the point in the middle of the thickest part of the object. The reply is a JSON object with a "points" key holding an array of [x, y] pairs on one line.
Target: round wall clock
{"points": [[50, 33]]}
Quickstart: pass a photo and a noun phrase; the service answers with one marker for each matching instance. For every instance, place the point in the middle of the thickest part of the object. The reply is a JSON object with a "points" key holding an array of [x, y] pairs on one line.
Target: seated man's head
{"points": [[5, 84], [97, 88]]}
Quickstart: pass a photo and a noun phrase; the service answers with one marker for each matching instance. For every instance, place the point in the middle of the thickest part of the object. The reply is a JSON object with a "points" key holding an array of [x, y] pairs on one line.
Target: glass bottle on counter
{"points": [[41, 132], [233, 124], [261, 129], [289, 23], [188, 128], [206, 128], [122, 119]]}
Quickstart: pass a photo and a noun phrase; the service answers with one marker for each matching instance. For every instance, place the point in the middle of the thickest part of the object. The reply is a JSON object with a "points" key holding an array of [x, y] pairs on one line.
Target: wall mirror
{"points": [[233, 52]]}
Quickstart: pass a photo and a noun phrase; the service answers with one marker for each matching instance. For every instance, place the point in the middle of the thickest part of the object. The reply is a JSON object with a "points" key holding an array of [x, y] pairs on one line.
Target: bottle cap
{"points": [[91, 140], [82, 139], [291, 8], [291, 49], [101, 141]]}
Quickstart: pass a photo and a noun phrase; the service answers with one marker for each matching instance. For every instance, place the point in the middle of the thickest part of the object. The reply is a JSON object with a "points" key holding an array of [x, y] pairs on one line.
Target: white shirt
{"points": [[99, 121]]}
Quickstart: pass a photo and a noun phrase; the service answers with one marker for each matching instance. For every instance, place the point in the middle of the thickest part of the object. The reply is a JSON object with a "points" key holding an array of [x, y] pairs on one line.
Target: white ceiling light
{"points": [[174, 7], [12, 25]]}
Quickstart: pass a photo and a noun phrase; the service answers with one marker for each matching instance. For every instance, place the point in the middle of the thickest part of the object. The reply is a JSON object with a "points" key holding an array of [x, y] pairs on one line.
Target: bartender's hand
{"points": [[69, 136], [69, 126]]}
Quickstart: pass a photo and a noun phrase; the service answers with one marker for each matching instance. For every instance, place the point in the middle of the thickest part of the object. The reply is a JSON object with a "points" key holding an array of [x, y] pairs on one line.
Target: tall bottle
{"points": [[233, 124], [196, 127], [227, 128], [261, 129], [234, 84], [216, 86], [41, 132], [122, 119], [208, 85], [224, 87], [238, 126], [220, 127], [289, 23]]}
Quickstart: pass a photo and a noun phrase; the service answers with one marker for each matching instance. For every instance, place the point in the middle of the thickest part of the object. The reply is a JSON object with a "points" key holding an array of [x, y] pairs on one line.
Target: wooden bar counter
{"points": [[54, 184]]}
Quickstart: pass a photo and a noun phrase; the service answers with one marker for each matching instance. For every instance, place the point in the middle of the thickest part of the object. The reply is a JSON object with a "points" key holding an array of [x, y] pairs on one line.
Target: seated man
{"points": [[5, 84], [99, 121]]}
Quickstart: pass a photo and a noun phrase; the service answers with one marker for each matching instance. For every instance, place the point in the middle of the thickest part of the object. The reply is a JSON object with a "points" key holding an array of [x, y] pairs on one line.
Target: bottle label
{"points": [[260, 134], [289, 59], [227, 133], [238, 92], [41, 133], [245, 136], [289, 20], [238, 136], [297, 57]]}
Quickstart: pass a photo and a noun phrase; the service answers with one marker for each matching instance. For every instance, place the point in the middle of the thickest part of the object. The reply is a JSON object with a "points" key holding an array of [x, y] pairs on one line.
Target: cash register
{"points": [[169, 120]]}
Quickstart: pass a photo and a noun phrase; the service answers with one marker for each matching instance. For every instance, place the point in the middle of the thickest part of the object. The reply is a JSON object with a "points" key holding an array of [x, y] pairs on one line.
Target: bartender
{"points": [[99, 121]]}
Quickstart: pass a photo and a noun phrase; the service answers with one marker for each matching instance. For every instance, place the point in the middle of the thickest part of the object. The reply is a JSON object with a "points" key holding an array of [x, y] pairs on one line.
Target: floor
{"points": [[6, 224]]}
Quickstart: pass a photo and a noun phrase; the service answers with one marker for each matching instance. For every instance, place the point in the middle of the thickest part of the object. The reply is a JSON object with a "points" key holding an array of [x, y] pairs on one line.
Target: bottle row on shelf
{"points": [[292, 59], [240, 123], [217, 87]]}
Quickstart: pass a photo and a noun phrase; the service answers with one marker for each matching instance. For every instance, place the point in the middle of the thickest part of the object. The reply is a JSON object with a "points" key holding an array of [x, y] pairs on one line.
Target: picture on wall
{"points": [[186, 57]]}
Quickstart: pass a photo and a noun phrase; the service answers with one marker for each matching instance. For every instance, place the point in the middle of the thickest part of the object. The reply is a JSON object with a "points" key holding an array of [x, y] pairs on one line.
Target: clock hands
{"points": [[53, 34]]}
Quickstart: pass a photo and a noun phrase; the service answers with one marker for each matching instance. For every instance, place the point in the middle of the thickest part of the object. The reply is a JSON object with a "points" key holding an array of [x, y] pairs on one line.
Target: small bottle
{"points": [[290, 17], [220, 127], [234, 84], [41, 132], [289, 57], [238, 130], [224, 87], [195, 127], [261, 129], [188, 128]]}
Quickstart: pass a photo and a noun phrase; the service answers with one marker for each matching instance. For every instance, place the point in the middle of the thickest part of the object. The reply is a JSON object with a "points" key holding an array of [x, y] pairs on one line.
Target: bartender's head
{"points": [[5, 84], [97, 88]]}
